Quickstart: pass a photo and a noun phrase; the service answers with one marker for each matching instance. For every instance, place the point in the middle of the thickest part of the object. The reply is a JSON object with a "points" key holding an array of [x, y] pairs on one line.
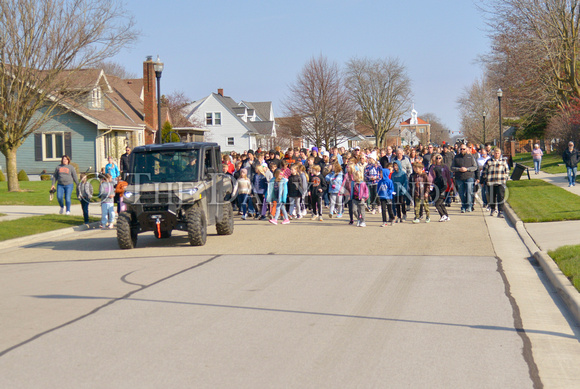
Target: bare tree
{"points": [[112, 68], [175, 102], [320, 99], [535, 53], [382, 90], [439, 131], [43, 47], [476, 99]]}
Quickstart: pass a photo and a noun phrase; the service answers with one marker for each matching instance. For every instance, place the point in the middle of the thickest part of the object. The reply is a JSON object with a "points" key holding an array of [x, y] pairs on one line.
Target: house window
{"points": [[230, 141], [421, 130], [53, 145], [96, 102], [213, 118]]}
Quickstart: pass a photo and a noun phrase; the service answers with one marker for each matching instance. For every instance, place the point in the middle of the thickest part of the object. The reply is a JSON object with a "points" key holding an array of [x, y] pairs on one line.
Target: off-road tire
{"points": [[126, 233], [196, 226], [226, 225]]}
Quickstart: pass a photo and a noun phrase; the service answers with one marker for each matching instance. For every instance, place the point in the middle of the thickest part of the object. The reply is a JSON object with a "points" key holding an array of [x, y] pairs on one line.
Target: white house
{"points": [[234, 126]]}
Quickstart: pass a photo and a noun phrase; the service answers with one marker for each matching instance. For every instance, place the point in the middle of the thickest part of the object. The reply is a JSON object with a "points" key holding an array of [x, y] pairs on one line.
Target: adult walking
{"points": [[65, 176], [440, 177], [571, 159], [537, 155], [124, 163], [496, 172], [464, 167]]}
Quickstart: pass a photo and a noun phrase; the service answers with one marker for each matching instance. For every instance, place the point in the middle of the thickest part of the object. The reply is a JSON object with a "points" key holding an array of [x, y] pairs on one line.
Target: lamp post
{"points": [[158, 70], [499, 95], [484, 115]]}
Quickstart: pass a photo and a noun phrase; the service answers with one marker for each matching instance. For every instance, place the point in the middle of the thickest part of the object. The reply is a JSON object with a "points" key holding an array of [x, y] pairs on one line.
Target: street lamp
{"points": [[158, 70], [499, 95], [484, 115]]}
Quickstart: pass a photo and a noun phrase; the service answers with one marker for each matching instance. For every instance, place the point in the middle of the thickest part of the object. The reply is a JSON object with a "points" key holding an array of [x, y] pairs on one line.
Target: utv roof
{"points": [[173, 146]]}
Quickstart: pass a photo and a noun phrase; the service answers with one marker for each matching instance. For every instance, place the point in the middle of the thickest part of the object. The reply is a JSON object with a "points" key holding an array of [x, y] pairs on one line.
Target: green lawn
{"points": [[551, 163], [34, 193], [568, 260], [37, 224], [539, 201]]}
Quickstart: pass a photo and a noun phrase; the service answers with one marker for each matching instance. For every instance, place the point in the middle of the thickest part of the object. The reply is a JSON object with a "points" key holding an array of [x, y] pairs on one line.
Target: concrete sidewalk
{"points": [[18, 211]]}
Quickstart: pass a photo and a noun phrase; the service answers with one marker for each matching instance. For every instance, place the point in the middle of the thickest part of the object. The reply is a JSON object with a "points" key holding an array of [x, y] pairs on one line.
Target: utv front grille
{"points": [[159, 198]]}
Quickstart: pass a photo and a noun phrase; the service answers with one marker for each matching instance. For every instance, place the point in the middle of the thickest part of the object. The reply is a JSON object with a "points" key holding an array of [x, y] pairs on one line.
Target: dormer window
{"points": [[96, 99]]}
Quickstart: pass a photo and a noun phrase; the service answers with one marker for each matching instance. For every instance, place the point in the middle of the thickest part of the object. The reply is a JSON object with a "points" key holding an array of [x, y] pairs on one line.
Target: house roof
{"points": [[263, 128], [262, 109], [408, 122]]}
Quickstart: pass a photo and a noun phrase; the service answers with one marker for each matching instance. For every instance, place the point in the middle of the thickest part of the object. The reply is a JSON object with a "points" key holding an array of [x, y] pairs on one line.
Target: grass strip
{"points": [[568, 260], [551, 163], [35, 193], [539, 201], [25, 226]]}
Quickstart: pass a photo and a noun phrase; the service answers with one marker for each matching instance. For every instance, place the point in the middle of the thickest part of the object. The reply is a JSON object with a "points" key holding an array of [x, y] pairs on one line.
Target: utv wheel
{"points": [[126, 233], [226, 224], [196, 227]]}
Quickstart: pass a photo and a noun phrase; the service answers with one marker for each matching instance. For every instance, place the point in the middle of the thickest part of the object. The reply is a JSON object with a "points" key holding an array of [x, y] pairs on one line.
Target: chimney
{"points": [[220, 92], [149, 95]]}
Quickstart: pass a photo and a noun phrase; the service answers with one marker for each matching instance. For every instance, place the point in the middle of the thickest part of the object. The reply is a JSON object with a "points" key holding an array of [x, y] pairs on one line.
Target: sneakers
{"points": [[61, 211], [273, 221], [404, 218], [320, 218], [416, 220], [443, 218], [428, 220], [363, 224], [243, 217], [500, 215], [462, 210], [110, 226], [314, 217], [384, 225], [493, 212], [67, 212], [262, 217], [339, 216], [286, 221], [350, 223], [330, 215], [358, 223]]}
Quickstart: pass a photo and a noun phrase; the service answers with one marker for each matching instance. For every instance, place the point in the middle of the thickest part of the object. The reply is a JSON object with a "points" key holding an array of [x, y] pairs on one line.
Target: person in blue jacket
{"points": [[401, 184], [385, 193], [278, 193], [334, 180]]}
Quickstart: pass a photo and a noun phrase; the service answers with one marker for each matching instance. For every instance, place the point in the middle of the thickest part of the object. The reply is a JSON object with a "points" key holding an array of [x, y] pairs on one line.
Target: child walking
{"points": [[317, 189], [421, 192], [334, 180], [84, 194], [385, 193], [360, 194], [278, 193], [294, 191], [244, 191], [107, 194]]}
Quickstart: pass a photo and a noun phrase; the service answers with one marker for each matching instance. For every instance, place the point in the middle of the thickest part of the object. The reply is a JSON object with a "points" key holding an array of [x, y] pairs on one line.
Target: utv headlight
{"points": [[189, 192], [129, 195]]}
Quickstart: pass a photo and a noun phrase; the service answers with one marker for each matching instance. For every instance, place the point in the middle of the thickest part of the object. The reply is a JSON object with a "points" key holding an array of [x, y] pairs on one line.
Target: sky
{"points": [[254, 50]]}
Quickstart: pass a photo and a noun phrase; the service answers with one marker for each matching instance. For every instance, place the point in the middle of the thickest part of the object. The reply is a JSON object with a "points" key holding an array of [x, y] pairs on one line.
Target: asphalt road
{"points": [[310, 304]]}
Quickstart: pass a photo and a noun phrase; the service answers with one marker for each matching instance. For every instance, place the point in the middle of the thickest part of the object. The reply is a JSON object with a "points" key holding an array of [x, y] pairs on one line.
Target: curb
{"points": [[559, 281], [39, 238]]}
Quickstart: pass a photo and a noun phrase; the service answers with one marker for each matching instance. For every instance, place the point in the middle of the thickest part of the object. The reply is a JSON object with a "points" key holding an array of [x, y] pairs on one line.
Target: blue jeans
{"points": [[108, 214], [281, 206], [465, 190], [64, 191], [537, 164], [85, 207], [571, 171], [243, 201]]}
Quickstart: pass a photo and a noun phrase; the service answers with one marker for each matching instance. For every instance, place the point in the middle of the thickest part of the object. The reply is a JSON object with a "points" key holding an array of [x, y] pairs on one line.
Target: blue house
{"points": [[109, 116]]}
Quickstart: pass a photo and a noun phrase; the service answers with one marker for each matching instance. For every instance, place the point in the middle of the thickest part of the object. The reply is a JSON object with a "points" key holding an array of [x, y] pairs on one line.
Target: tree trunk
{"points": [[11, 170]]}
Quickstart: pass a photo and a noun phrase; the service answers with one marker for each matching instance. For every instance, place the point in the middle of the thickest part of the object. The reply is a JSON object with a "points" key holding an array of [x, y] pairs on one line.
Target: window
{"points": [[96, 101], [213, 118], [230, 141], [53, 146]]}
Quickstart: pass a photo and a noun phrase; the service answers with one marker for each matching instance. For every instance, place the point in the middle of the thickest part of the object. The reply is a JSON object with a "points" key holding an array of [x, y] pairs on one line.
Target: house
{"points": [[415, 130], [234, 126], [109, 114]]}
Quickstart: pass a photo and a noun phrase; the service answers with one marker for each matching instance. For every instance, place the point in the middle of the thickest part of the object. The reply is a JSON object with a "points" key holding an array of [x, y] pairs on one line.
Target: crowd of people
{"points": [[303, 182]]}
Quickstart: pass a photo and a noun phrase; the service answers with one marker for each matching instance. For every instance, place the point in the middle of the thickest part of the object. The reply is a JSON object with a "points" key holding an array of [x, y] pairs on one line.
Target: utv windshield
{"points": [[165, 166]]}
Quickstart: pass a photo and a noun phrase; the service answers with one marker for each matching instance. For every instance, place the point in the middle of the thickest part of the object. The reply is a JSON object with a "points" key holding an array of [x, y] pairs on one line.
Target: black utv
{"points": [[176, 186]]}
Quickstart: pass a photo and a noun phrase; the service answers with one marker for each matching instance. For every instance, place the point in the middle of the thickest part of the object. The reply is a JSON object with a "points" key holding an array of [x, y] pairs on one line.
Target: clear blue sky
{"points": [[255, 49]]}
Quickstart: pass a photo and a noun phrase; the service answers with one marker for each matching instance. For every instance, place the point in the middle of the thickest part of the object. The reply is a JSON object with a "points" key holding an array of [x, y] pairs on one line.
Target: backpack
{"points": [[356, 191]]}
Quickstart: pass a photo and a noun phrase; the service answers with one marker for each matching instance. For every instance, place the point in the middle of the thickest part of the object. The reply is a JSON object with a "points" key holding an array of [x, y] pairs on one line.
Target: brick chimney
{"points": [[149, 98], [220, 92]]}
